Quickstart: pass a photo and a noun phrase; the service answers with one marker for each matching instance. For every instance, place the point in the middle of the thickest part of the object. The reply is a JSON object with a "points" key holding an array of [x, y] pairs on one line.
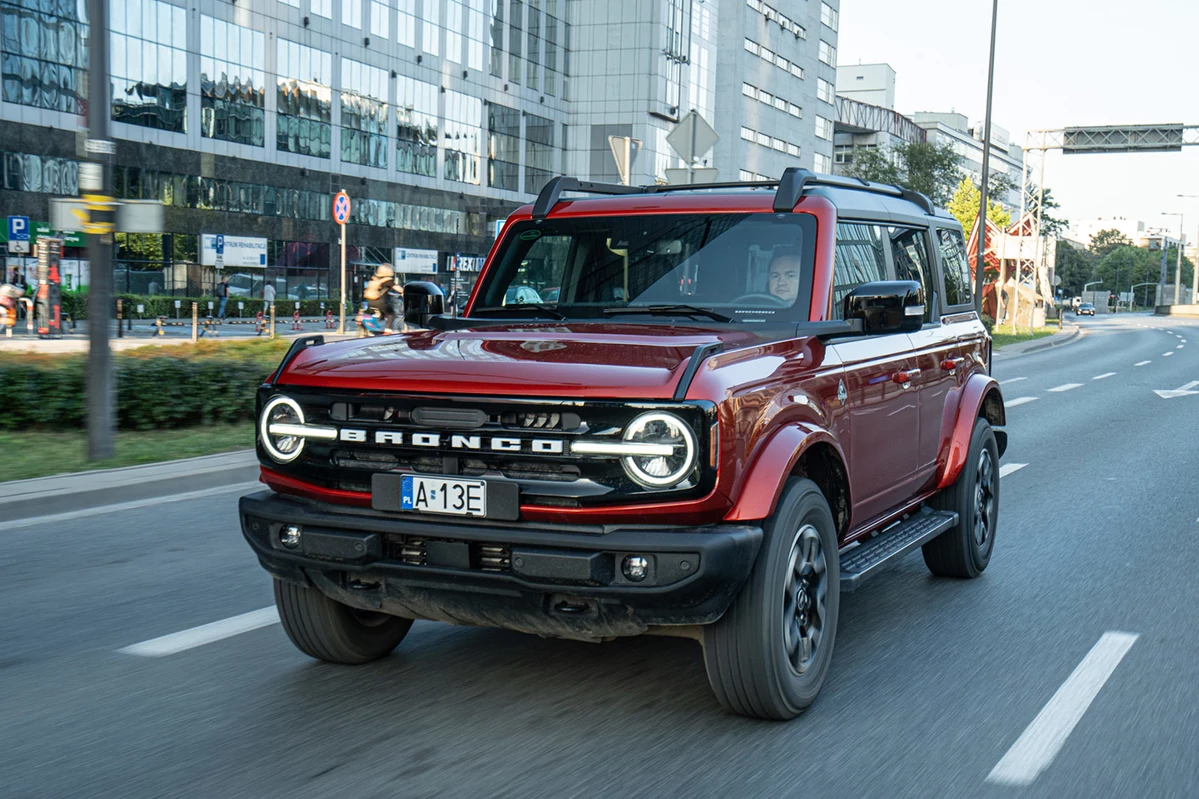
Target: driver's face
{"points": [[784, 278]]}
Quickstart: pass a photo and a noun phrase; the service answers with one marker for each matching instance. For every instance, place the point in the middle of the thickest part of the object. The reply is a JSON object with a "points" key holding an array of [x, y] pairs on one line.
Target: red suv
{"points": [[744, 400]]}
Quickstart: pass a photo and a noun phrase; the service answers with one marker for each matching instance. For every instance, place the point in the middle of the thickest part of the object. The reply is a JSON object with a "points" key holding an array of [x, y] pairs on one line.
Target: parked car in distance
{"points": [[1085, 309], [521, 295]]}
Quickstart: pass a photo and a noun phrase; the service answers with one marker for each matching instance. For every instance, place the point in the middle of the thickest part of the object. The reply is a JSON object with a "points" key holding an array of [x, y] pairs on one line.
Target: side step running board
{"points": [[876, 554]]}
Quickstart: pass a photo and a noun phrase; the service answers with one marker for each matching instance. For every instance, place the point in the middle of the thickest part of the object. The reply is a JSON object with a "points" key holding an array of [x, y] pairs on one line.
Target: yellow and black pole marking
{"points": [[101, 213]]}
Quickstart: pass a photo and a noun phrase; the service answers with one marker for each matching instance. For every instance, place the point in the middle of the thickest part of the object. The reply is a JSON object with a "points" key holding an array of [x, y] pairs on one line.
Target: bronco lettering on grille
{"points": [[395, 438]]}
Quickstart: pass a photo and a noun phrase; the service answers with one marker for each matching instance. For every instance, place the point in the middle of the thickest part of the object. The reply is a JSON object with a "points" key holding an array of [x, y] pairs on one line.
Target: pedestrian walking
{"points": [[222, 292], [268, 294]]}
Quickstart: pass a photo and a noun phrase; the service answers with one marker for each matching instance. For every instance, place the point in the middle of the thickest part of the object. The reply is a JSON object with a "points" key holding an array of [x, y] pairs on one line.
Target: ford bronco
{"points": [[741, 401]]}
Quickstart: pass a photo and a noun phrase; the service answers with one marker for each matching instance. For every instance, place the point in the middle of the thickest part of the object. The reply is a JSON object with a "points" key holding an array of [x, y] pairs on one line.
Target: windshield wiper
{"points": [[516, 310], [669, 310]]}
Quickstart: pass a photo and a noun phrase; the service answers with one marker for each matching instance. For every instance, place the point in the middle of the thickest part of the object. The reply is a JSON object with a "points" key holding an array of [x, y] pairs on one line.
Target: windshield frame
{"points": [[753, 316]]}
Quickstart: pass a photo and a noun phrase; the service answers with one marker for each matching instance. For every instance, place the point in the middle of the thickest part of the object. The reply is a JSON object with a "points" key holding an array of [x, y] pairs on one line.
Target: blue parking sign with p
{"points": [[18, 228], [219, 245]]}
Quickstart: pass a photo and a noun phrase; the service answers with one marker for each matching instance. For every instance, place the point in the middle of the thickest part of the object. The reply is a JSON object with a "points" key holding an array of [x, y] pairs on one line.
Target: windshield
{"points": [[749, 267]]}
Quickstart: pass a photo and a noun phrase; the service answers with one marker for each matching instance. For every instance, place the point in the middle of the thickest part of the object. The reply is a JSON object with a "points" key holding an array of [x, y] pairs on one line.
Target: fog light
{"points": [[289, 536], [635, 568]]}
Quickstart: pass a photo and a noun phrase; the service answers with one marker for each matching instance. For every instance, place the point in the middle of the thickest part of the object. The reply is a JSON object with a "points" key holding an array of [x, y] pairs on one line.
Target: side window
{"points": [[958, 290], [910, 249], [859, 258]]}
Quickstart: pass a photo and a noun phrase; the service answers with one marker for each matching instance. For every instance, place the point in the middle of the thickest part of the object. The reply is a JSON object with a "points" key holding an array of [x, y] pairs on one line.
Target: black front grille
{"points": [[414, 551], [472, 437]]}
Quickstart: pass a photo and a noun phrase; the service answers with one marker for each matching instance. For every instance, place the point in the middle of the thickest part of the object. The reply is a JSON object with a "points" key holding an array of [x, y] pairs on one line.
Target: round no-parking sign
{"points": [[341, 208]]}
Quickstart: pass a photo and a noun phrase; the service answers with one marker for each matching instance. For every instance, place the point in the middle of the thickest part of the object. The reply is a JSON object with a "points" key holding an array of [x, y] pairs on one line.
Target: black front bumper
{"points": [[550, 580]]}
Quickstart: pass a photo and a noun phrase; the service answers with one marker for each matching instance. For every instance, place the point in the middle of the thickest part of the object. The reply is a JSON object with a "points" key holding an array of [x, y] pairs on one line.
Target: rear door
{"points": [[883, 408]]}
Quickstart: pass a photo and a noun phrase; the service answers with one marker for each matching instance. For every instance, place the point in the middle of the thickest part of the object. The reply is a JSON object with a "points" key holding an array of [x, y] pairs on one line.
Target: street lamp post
{"points": [[1194, 266], [980, 262], [1178, 269], [1138, 285]]}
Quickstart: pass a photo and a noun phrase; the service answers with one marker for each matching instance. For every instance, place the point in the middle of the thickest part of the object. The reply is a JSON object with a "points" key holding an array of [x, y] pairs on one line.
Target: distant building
{"points": [[1137, 232], [966, 139]]}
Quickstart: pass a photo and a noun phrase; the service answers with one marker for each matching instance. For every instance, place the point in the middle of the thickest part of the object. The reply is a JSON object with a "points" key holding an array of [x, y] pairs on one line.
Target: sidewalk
{"points": [[1070, 334], [142, 335], [62, 493]]}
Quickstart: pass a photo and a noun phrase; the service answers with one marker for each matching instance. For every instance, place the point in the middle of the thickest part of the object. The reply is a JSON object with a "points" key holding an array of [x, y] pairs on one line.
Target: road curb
{"points": [[1056, 340], [39, 496]]}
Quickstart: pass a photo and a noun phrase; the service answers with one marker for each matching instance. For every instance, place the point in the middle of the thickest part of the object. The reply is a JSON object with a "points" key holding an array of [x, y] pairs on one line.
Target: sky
{"points": [[1058, 63]]}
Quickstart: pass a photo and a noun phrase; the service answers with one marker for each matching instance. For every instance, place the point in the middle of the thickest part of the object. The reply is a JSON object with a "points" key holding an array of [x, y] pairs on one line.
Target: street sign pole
{"points": [[101, 407], [341, 318]]}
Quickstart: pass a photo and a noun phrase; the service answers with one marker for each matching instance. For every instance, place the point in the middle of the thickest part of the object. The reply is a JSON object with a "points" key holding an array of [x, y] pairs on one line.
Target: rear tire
{"points": [[965, 550], [327, 630], [768, 655]]}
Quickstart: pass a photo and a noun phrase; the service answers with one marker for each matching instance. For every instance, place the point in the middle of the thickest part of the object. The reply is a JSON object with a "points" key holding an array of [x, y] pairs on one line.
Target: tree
{"points": [[928, 168], [1105, 241], [964, 206], [1074, 266], [1050, 224], [1124, 266]]}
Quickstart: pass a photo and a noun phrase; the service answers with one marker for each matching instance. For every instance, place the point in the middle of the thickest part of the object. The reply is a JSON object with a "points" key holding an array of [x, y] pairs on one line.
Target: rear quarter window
{"points": [[958, 290]]}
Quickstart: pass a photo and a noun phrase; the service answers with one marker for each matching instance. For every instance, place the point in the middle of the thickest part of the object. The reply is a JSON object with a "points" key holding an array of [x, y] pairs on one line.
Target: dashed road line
{"points": [[1167, 354], [1040, 742], [204, 634], [1019, 401], [1177, 348], [1067, 387], [1142, 363], [1103, 376], [1011, 380], [1008, 468]]}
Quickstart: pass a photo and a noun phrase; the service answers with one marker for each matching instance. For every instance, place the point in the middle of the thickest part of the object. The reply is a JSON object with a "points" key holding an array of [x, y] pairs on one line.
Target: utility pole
{"points": [[1182, 237], [980, 263], [96, 187], [1040, 243]]}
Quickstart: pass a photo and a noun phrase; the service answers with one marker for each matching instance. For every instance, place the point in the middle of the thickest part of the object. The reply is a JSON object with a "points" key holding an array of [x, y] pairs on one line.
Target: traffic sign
{"points": [[218, 244], [692, 137], [18, 234], [341, 208], [624, 150]]}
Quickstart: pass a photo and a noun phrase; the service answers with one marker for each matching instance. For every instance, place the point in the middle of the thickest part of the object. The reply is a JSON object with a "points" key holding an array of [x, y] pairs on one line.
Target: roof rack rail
{"points": [[791, 187]]}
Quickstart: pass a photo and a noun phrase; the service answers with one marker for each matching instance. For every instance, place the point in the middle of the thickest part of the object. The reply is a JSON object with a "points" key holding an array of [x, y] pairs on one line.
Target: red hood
{"points": [[596, 360]]}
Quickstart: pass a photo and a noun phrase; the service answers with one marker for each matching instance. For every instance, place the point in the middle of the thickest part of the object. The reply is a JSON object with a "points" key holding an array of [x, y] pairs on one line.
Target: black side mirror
{"points": [[887, 306], [422, 300]]}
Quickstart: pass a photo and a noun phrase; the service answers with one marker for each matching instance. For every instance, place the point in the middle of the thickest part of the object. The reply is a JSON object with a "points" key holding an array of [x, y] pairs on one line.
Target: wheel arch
{"points": [[981, 397]]}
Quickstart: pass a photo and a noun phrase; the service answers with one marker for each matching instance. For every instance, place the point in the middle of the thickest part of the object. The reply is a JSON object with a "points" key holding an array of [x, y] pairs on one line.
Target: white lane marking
{"points": [[1096, 377], [1040, 742], [1019, 401], [1011, 380], [1067, 387], [1008, 468], [204, 634], [1142, 363], [124, 506], [1167, 354], [1177, 348]]}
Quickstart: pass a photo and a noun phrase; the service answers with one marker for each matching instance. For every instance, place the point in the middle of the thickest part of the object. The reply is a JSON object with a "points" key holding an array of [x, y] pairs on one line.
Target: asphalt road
{"points": [[934, 684]]}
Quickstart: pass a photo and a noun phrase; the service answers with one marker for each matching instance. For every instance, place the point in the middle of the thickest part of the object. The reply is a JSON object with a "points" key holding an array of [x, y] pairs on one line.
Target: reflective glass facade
{"points": [[406, 22], [232, 82], [463, 137], [43, 53], [539, 152], [303, 98], [148, 59], [416, 114], [503, 147], [496, 66], [364, 115], [38, 173]]}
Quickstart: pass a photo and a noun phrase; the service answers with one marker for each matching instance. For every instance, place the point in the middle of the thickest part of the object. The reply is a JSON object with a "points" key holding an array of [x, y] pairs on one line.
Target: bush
{"points": [[75, 304], [988, 323], [157, 387]]}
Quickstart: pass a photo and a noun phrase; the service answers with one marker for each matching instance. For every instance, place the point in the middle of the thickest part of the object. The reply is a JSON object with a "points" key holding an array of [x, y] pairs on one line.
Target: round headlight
{"points": [[281, 411], [673, 446]]}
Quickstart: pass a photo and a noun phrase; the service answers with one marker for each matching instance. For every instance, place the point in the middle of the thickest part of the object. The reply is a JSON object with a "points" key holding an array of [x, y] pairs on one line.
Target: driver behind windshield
{"points": [[784, 275]]}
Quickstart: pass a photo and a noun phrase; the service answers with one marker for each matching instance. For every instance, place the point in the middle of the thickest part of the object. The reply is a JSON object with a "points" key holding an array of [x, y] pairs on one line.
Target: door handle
{"points": [[950, 364], [905, 377]]}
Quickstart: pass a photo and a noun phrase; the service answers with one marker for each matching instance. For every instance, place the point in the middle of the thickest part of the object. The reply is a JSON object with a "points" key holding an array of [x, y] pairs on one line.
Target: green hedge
{"points": [[75, 304], [168, 387]]}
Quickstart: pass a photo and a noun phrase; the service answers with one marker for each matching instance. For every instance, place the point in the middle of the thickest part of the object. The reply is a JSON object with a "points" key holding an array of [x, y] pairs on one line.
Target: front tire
{"points": [[327, 630], [965, 550], [768, 655]]}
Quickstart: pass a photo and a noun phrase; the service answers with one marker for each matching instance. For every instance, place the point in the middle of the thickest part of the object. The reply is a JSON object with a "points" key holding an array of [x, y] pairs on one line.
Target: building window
{"points": [[752, 47], [364, 114], [45, 54], [431, 27], [823, 163], [794, 110], [497, 37], [303, 99], [416, 113], [824, 128], [463, 135], [232, 82], [797, 71], [453, 31], [380, 24], [351, 13], [503, 147], [516, 19], [779, 145], [748, 134], [292, 3], [148, 60], [763, 140], [765, 97], [745, 176], [533, 57], [766, 54], [828, 54], [825, 90], [474, 53], [552, 48], [539, 152], [780, 104], [406, 23], [323, 8], [749, 91], [793, 150], [828, 15]]}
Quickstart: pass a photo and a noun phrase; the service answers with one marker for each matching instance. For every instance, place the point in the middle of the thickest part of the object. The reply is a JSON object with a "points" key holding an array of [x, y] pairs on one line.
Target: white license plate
{"points": [[443, 495]]}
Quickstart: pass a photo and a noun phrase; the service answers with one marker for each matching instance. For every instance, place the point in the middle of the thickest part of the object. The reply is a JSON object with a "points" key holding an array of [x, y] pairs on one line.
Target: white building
{"points": [[966, 139]]}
